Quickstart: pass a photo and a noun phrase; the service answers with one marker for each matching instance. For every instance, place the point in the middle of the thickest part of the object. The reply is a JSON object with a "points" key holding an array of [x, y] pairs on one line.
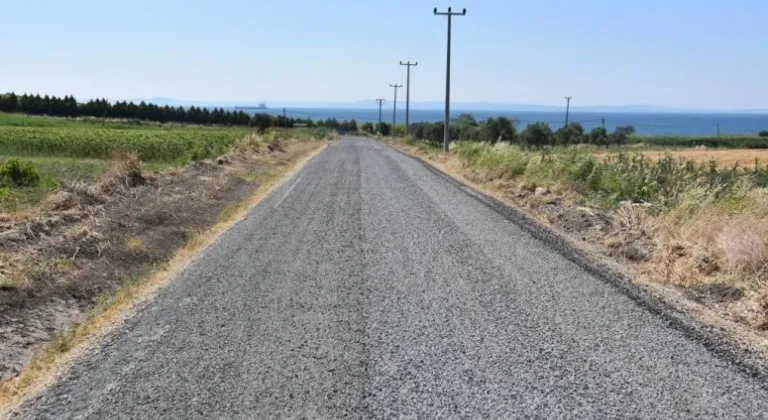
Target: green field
{"points": [[64, 150], [40, 136]]}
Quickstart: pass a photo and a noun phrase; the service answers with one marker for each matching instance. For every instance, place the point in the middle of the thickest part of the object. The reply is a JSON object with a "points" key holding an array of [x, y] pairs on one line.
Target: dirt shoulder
{"points": [[625, 242], [83, 243]]}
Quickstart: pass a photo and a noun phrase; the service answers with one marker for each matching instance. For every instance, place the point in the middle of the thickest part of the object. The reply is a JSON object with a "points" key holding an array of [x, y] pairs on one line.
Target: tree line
{"points": [[465, 127], [102, 108], [262, 122], [503, 129]]}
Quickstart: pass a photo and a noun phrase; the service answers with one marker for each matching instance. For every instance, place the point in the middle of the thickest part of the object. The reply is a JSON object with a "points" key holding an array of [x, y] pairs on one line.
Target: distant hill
{"points": [[458, 106]]}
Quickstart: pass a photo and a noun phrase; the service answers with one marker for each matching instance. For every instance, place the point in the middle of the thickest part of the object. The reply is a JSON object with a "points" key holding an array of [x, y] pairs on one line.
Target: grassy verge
{"points": [[700, 227]]}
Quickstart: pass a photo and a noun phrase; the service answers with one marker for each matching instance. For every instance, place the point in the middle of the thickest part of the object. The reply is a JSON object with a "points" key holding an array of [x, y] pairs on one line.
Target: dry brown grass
{"points": [[724, 158], [124, 173], [743, 243]]}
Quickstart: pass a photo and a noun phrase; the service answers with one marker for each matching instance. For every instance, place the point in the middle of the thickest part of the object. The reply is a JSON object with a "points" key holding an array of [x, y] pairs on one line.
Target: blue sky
{"points": [[674, 53]]}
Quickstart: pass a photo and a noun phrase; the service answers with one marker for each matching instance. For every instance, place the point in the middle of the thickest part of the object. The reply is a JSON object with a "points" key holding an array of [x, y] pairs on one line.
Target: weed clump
{"points": [[125, 173], [19, 173]]}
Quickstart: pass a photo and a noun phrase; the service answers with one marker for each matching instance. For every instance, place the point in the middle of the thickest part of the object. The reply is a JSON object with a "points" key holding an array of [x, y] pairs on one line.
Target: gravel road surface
{"points": [[368, 286]]}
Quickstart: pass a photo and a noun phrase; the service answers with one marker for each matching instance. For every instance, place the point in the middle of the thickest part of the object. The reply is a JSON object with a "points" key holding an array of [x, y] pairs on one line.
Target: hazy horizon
{"points": [[432, 105]]}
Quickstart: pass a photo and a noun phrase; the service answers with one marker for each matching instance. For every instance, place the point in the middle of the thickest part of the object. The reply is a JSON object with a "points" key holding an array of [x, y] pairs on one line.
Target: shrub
{"points": [[385, 129], [261, 122], [495, 129], [20, 173], [572, 134], [763, 134], [584, 169], [599, 136], [537, 134]]}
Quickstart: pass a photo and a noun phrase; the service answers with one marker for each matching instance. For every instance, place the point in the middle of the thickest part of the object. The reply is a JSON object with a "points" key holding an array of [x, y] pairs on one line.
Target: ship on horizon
{"points": [[261, 106]]}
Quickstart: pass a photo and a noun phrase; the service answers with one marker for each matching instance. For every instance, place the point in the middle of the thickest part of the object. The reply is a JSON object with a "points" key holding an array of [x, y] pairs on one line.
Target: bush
{"points": [[621, 134], [572, 134], [20, 173], [385, 129], [497, 129], [763, 134], [599, 136], [261, 122], [537, 134]]}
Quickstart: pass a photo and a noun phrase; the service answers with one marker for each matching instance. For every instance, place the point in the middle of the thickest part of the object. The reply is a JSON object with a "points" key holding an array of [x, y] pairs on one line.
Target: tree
{"points": [[9, 102], [537, 135], [261, 122], [598, 136], [621, 134], [332, 123], [466, 127], [368, 128], [498, 129], [385, 129], [571, 134]]}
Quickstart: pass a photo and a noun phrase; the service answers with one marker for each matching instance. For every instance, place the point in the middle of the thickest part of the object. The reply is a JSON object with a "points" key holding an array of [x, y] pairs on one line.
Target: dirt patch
{"points": [[86, 240]]}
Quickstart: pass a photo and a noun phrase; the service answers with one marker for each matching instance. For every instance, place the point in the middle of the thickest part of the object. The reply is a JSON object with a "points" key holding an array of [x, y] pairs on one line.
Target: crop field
{"points": [[61, 150], [724, 142], [39, 136], [745, 158]]}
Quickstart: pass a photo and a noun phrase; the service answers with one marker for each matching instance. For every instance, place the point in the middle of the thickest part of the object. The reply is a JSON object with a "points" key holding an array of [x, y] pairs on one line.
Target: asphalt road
{"points": [[369, 287]]}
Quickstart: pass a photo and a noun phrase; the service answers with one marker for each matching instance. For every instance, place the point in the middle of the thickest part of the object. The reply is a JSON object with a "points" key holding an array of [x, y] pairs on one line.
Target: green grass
{"points": [[23, 120], [64, 150], [66, 168], [28, 136], [54, 171], [608, 181]]}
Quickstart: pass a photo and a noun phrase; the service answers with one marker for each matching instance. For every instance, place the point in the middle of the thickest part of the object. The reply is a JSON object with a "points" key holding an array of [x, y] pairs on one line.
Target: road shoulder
{"points": [[743, 348]]}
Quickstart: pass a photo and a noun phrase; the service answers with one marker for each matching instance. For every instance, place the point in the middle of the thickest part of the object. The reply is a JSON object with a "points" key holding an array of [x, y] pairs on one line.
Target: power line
{"points": [[394, 109], [408, 93], [447, 127]]}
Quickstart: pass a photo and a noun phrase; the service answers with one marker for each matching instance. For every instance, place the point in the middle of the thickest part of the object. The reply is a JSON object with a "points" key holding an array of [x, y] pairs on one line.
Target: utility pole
{"points": [[447, 128], [378, 127], [408, 93], [603, 123], [718, 131], [394, 109], [567, 108]]}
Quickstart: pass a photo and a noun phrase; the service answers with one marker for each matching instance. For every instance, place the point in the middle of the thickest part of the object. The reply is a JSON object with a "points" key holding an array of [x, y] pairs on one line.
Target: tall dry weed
{"points": [[743, 244]]}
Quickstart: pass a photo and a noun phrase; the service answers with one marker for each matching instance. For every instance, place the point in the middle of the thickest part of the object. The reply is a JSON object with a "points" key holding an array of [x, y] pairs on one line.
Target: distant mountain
{"points": [[456, 106]]}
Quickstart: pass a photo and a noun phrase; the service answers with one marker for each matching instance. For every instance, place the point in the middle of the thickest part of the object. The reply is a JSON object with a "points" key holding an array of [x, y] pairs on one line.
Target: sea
{"points": [[645, 123]]}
